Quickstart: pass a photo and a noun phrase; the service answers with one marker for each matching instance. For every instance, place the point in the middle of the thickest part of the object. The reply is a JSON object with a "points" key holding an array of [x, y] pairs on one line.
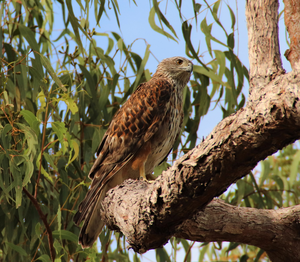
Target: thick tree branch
{"points": [[275, 231], [291, 19], [150, 214], [264, 53]]}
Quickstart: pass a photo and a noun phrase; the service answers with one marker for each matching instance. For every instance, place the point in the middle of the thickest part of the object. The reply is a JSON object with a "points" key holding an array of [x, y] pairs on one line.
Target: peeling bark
{"points": [[149, 214], [291, 19]]}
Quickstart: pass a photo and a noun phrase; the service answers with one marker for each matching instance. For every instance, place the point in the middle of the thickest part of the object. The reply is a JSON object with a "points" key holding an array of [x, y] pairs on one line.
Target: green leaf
{"points": [[49, 159], [101, 9], [32, 120], [230, 41], [155, 27], [38, 229], [19, 249], [103, 99], [90, 81], [64, 234], [31, 139], [240, 193], [196, 8], [116, 10], [136, 258], [72, 106], [206, 29], [220, 56], [74, 147], [261, 201], [28, 172], [295, 167], [141, 68], [75, 25], [17, 175], [30, 38], [58, 247], [43, 171], [60, 130], [50, 70], [259, 254], [44, 258], [42, 99], [4, 133], [187, 249], [232, 246], [186, 31], [244, 258], [159, 169], [162, 255], [232, 17], [209, 73], [203, 251], [59, 218], [162, 18], [214, 13]]}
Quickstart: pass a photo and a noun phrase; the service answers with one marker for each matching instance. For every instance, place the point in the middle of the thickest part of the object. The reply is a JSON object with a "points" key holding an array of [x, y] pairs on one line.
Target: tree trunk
{"points": [[149, 214]]}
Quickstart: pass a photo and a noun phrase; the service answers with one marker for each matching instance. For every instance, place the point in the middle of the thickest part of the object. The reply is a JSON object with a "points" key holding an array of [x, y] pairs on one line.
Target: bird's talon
{"points": [[145, 179]]}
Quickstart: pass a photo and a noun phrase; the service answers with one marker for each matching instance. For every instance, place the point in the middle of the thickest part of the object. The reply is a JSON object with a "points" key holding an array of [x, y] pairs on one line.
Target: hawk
{"points": [[139, 137]]}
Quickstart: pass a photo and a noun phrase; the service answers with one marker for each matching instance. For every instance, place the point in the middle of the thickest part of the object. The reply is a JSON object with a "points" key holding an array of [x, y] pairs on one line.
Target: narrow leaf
{"points": [[19, 249], [64, 234], [155, 27]]}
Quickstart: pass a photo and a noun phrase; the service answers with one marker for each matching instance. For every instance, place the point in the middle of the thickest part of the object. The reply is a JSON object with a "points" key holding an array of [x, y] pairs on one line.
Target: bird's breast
{"points": [[162, 142]]}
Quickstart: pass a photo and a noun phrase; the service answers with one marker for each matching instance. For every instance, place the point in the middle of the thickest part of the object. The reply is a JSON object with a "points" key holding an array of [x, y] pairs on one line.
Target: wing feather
{"points": [[132, 126]]}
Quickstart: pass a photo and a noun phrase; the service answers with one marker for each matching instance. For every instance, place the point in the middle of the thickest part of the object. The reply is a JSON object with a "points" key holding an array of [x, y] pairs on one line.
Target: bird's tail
{"points": [[93, 224]]}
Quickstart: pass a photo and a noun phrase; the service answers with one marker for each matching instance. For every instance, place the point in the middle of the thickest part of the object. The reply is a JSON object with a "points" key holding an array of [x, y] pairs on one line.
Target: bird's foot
{"points": [[145, 179]]}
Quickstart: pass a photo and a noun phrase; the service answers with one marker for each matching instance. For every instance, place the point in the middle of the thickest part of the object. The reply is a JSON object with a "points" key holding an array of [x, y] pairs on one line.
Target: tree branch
{"points": [[44, 219], [291, 19], [275, 231]]}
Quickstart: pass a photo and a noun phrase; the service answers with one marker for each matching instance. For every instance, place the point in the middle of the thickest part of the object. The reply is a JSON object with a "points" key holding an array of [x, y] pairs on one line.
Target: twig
{"points": [[44, 219]]}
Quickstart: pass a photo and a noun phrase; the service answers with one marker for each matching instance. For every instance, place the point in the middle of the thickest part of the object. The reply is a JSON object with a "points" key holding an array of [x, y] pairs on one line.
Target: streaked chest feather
{"points": [[165, 137]]}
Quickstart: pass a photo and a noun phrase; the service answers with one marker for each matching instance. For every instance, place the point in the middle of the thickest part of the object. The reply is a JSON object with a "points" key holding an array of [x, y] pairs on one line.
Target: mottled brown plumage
{"points": [[139, 137]]}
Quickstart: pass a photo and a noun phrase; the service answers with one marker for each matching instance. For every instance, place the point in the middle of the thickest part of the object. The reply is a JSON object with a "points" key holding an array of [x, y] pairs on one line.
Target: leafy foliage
{"points": [[56, 108]]}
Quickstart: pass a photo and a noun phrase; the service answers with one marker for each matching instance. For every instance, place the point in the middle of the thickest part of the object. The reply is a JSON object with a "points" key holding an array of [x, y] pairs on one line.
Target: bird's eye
{"points": [[179, 61]]}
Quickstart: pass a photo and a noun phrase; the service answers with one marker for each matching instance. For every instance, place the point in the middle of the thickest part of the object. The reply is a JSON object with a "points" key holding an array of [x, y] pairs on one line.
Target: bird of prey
{"points": [[139, 137]]}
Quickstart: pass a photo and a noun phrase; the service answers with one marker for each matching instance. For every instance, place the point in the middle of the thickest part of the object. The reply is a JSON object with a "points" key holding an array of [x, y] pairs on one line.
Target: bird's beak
{"points": [[189, 67]]}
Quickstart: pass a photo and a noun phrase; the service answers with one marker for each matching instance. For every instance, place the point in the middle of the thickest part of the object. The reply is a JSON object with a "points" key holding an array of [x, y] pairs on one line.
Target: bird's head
{"points": [[176, 68]]}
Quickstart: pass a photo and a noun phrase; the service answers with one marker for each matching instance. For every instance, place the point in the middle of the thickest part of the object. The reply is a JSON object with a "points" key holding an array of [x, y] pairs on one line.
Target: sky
{"points": [[135, 27]]}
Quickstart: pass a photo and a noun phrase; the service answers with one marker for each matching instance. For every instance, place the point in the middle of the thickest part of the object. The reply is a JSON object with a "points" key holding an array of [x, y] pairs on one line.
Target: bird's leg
{"points": [[140, 159], [143, 174]]}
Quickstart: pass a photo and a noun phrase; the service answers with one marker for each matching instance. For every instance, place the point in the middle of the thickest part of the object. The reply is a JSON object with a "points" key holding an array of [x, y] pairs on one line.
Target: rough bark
{"points": [[149, 214], [263, 44], [291, 19], [275, 231]]}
